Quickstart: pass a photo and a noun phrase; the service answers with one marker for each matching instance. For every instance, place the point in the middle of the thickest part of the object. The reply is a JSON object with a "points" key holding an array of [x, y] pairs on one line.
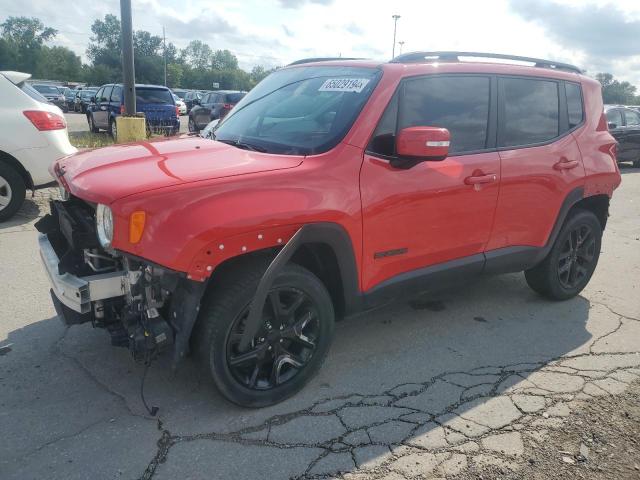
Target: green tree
{"points": [[616, 92], [198, 55], [105, 46], [59, 63], [23, 39], [224, 60]]}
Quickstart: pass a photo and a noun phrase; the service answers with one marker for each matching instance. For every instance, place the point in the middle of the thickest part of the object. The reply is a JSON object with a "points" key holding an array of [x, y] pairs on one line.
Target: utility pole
{"points": [[395, 24], [164, 49], [401, 45], [128, 68]]}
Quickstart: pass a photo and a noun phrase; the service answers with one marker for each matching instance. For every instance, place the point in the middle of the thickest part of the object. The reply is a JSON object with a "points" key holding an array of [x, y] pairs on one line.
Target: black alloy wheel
{"points": [[576, 256], [284, 345]]}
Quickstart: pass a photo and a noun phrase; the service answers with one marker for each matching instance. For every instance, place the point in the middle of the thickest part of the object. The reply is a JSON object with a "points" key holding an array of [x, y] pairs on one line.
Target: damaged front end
{"points": [[145, 307]]}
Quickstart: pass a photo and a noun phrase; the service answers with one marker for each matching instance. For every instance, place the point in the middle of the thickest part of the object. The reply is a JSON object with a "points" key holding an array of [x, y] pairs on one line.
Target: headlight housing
{"points": [[104, 225]]}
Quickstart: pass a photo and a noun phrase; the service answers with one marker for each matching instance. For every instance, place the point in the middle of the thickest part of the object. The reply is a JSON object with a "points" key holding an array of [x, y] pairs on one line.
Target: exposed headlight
{"points": [[104, 225]]}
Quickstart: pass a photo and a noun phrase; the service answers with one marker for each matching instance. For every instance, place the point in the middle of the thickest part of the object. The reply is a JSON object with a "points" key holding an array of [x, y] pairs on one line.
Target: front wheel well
{"points": [[597, 204], [14, 163]]}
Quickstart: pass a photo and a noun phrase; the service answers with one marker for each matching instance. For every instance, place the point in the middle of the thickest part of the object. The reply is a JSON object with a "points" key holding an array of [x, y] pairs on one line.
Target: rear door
{"points": [[116, 101], [540, 160], [632, 133], [101, 116], [433, 212], [203, 112]]}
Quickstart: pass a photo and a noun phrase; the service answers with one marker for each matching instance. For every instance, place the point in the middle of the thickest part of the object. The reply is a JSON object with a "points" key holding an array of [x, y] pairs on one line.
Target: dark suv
{"points": [[191, 99], [156, 102], [332, 188], [624, 125], [212, 106]]}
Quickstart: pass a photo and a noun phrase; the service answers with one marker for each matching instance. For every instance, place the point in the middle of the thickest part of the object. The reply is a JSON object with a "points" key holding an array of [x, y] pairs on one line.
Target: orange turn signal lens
{"points": [[136, 225]]}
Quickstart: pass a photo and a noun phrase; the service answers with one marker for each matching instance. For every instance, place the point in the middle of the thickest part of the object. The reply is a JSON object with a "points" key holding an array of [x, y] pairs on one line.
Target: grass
{"points": [[90, 140]]}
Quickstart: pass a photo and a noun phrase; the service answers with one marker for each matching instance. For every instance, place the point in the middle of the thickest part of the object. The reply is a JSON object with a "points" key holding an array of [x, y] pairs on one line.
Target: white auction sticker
{"points": [[344, 85]]}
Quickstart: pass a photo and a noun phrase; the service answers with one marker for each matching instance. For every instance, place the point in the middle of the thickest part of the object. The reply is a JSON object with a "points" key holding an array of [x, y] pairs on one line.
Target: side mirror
{"points": [[612, 125], [423, 143]]}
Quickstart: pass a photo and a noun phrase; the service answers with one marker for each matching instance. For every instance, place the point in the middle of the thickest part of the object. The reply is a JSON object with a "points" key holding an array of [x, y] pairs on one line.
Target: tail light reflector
{"points": [[121, 109], [44, 121]]}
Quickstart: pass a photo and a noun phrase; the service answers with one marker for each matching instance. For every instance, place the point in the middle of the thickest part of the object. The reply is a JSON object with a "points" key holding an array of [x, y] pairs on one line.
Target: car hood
{"points": [[108, 174]]}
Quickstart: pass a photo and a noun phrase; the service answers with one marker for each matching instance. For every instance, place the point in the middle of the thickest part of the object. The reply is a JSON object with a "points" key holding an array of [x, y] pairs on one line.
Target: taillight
{"points": [[45, 120], [228, 106], [121, 109], [177, 111]]}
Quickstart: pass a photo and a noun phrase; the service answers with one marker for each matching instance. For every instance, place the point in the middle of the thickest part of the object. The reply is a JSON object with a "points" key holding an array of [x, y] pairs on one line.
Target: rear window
{"points": [[33, 93], [531, 112], [234, 97], [154, 95]]}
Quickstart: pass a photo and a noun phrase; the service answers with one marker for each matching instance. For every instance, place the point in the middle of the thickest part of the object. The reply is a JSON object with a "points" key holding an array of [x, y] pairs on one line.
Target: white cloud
{"points": [[590, 33]]}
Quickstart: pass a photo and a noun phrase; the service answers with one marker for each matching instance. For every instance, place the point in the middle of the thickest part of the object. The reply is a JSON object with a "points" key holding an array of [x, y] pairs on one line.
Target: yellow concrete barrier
{"points": [[130, 129]]}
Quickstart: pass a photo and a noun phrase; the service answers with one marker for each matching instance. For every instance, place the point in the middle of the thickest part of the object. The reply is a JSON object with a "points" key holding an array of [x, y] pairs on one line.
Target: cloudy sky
{"points": [[596, 35]]}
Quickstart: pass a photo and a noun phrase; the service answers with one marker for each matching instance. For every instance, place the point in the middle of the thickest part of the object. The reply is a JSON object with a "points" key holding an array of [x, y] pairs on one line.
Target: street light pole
{"points": [[128, 69], [164, 54], [401, 45], [395, 24]]}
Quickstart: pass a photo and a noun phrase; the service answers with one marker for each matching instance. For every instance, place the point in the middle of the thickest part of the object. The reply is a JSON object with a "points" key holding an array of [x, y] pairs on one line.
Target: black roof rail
{"points": [[420, 57], [320, 59]]}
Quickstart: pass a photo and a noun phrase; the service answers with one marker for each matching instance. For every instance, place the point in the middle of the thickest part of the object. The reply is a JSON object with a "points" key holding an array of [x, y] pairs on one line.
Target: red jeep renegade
{"points": [[332, 187]]}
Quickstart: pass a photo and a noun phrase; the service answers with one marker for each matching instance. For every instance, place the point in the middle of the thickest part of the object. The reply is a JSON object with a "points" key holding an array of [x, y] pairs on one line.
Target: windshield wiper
{"points": [[244, 145]]}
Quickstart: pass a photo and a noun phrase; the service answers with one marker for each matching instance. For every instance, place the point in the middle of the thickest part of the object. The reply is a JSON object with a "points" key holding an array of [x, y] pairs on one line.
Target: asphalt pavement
{"points": [[434, 387]]}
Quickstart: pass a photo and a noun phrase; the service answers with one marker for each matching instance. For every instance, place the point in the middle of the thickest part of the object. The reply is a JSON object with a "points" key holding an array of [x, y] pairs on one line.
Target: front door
{"points": [[435, 211], [632, 128], [101, 115]]}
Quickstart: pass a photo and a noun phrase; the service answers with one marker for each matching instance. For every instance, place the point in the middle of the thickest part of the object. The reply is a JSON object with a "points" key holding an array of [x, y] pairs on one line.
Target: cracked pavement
{"points": [[461, 381]]}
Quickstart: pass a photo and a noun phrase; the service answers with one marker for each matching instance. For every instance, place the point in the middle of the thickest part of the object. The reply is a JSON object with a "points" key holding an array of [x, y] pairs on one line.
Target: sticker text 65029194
{"points": [[344, 85]]}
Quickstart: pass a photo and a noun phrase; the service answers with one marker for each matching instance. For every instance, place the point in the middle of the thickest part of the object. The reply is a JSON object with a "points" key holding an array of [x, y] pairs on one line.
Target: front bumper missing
{"points": [[77, 293]]}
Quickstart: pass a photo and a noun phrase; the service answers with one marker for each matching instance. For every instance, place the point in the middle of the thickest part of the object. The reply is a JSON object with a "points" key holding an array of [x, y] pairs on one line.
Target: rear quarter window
{"points": [[574, 104], [234, 97]]}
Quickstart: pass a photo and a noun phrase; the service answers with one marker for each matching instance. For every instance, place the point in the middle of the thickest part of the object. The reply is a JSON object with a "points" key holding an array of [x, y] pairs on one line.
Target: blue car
{"points": [[155, 101]]}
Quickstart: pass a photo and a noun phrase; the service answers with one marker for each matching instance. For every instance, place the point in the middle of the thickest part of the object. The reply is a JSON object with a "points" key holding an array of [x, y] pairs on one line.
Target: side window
{"points": [[205, 99], [632, 118], [574, 104], [457, 103], [98, 95], [531, 112], [614, 118], [106, 94], [116, 95]]}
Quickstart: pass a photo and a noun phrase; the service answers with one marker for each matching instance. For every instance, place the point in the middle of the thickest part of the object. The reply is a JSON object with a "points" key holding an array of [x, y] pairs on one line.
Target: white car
{"points": [[33, 135], [182, 107]]}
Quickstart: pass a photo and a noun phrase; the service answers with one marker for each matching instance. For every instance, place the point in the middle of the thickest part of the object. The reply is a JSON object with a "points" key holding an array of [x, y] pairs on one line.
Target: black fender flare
{"points": [[328, 233]]}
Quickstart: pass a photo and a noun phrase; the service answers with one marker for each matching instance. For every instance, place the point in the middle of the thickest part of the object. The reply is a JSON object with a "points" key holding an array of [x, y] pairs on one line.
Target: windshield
{"points": [[154, 95], [299, 111], [47, 89]]}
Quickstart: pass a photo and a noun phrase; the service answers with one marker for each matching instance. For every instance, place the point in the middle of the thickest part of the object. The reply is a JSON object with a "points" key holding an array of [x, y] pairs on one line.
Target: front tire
{"points": [[192, 126], [572, 260], [12, 191], [288, 350], [113, 129]]}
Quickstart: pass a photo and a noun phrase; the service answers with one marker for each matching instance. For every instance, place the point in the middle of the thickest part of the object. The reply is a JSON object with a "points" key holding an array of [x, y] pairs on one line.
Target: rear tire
{"points": [[192, 126], [572, 260], [282, 360], [12, 191], [636, 164]]}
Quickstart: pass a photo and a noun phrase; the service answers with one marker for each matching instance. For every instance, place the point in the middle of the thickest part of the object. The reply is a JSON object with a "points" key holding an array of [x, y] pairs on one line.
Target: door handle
{"points": [[480, 179], [565, 164]]}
